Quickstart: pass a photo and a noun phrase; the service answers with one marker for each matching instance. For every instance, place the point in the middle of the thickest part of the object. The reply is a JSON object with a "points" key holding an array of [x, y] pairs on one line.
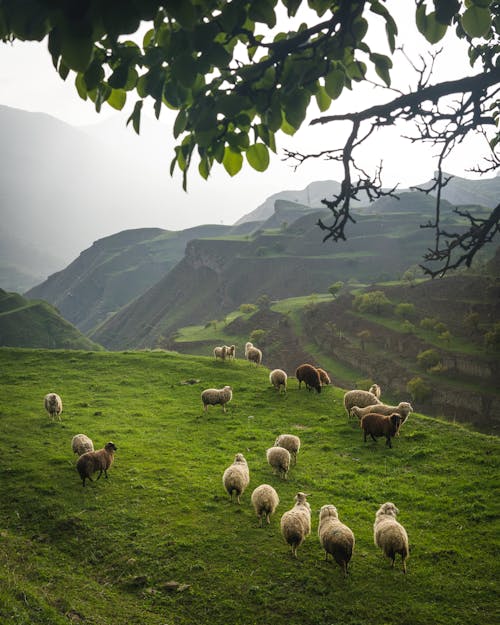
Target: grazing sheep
{"points": [[359, 398], [324, 377], [220, 352], [403, 409], [80, 444], [248, 346], [376, 390], [278, 379], [236, 477], [390, 535], [213, 396], [53, 405], [254, 355], [335, 537], [308, 374], [290, 442], [92, 461], [230, 351], [265, 500], [279, 458], [376, 424], [296, 523]]}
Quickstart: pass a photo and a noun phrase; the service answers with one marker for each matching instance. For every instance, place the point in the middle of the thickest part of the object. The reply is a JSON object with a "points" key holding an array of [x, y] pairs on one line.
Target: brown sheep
{"points": [[92, 461], [308, 374], [381, 425], [323, 376]]}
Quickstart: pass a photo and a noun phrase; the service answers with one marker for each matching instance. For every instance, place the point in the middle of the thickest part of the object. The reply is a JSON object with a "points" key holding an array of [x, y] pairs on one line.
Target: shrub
{"points": [[247, 308], [335, 288], [428, 358], [405, 310], [440, 327], [471, 321], [373, 302], [257, 336], [418, 389], [263, 302], [428, 323], [408, 327], [492, 337]]}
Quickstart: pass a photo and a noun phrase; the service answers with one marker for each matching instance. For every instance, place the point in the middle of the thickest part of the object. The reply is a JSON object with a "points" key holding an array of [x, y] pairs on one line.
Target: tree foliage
{"points": [[236, 80]]}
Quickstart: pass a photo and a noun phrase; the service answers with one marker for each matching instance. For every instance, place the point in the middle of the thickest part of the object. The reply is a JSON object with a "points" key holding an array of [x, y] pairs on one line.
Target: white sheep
{"points": [[53, 405], [248, 346], [81, 443], [279, 459], [230, 351], [92, 461], [220, 352], [278, 378], [296, 523], [390, 535], [376, 390], [265, 500], [254, 354], [336, 538], [403, 409], [214, 396], [236, 477], [359, 398], [290, 442]]}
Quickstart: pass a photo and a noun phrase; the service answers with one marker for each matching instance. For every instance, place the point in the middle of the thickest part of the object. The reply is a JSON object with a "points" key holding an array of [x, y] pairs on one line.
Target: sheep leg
{"points": [[100, 473], [373, 437], [388, 441], [404, 566]]}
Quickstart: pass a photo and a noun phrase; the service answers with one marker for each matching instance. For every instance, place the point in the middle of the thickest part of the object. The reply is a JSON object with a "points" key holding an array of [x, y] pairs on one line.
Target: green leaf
{"points": [[476, 21], [80, 85], [334, 83], [295, 106], [204, 167], [356, 70], [323, 100], [232, 161], [292, 6], [117, 99], [135, 118], [287, 128], [258, 156], [429, 26], [77, 52], [180, 123], [382, 66], [118, 78], [63, 70], [263, 11]]}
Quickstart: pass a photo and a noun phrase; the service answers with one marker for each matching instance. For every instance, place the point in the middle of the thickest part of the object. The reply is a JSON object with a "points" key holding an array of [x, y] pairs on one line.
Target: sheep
{"points": [[230, 351], [279, 458], [278, 379], [236, 477], [248, 346], [265, 500], [92, 461], [220, 352], [296, 523], [254, 354], [335, 537], [376, 424], [376, 390], [290, 442], [213, 396], [324, 377], [81, 443], [403, 409], [390, 535], [308, 374], [53, 405], [359, 398]]}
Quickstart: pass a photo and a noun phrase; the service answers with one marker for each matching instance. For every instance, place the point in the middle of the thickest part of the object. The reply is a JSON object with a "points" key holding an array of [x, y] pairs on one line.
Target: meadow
{"points": [[160, 543]]}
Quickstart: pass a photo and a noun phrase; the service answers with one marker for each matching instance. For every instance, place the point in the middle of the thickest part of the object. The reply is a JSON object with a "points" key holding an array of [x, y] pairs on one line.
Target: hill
{"points": [[217, 275], [159, 541], [34, 323]]}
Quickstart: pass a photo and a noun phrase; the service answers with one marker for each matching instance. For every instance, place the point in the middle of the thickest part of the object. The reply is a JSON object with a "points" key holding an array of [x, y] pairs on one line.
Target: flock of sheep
{"points": [[376, 419]]}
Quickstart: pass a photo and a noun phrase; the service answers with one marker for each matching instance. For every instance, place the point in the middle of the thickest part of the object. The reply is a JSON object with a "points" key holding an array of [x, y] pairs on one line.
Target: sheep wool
{"points": [[376, 390], [236, 477], [220, 352], [290, 442], [296, 523], [403, 409], [309, 375], [248, 346], [214, 396], [279, 458], [359, 398], [278, 378], [254, 354], [390, 535], [81, 443], [92, 461], [53, 405], [336, 538], [230, 351], [265, 500]]}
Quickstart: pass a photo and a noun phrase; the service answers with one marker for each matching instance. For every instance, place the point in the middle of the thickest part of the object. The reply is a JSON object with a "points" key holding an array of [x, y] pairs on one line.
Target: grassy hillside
{"points": [[34, 323], [105, 554]]}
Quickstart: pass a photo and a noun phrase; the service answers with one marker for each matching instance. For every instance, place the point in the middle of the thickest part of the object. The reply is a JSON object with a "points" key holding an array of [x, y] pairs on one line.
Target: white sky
{"points": [[28, 81]]}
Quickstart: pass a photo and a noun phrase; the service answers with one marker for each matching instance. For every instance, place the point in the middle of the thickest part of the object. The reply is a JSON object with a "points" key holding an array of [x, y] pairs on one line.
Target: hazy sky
{"points": [[28, 81]]}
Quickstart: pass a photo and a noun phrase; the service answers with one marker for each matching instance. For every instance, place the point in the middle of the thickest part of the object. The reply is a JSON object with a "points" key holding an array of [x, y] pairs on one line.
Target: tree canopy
{"points": [[236, 80]]}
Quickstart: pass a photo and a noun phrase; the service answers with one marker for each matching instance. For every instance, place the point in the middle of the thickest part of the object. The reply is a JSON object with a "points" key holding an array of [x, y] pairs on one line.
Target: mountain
{"points": [[34, 323], [115, 270], [462, 191], [217, 275]]}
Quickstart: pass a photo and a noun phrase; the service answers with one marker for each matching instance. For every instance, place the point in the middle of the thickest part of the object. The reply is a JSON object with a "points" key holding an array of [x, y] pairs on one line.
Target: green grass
{"points": [[210, 333], [103, 553]]}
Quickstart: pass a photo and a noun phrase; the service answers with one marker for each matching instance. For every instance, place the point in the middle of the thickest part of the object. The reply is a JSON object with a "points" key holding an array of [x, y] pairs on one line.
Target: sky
{"points": [[28, 81]]}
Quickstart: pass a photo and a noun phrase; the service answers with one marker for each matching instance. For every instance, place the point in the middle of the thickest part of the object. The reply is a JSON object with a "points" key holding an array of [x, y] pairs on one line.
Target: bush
{"points": [[428, 358], [408, 327], [257, 336], [335, 288], [492, 338], [418, 389], [405, 310], [373, 302], [247, 308], [428, 323]]}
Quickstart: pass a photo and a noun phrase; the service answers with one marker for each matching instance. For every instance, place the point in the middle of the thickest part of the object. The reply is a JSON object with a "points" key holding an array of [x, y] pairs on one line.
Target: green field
{"points": [[105, 554]]}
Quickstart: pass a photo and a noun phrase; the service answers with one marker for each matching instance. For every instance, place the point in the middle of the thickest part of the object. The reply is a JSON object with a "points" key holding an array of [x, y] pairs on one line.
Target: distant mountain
{"points": [[217, 275], [34, 323], [115, 270], [462, 191]]}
